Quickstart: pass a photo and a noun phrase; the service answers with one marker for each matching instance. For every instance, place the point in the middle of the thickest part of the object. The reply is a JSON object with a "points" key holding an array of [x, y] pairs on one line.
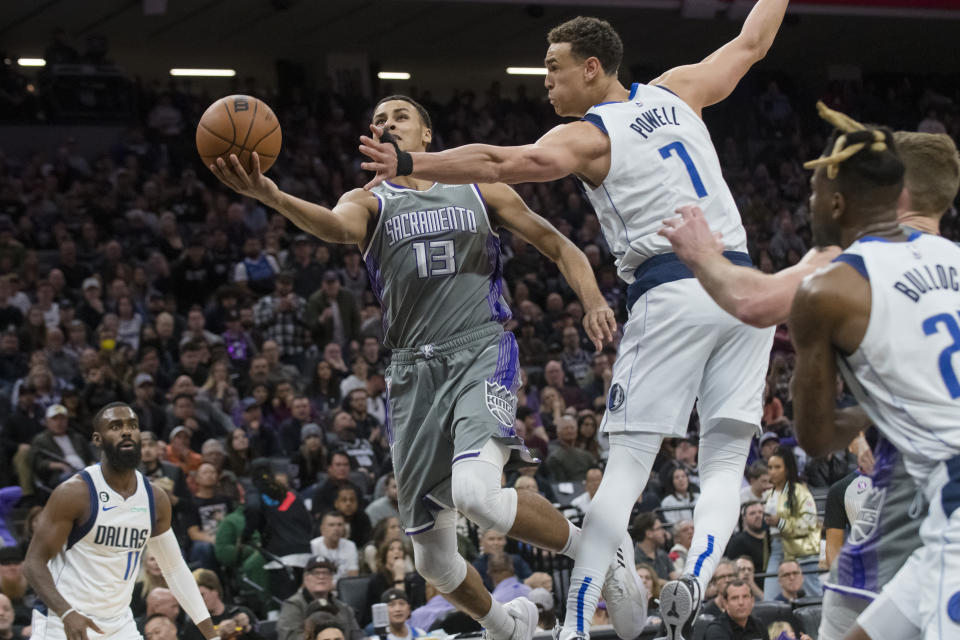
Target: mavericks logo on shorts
{"points": [[617, 396], [502, 403]]}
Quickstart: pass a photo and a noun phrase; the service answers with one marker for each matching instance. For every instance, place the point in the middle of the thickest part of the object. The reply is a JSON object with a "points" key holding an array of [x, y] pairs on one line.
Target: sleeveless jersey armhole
{"points": [[78, 532]]}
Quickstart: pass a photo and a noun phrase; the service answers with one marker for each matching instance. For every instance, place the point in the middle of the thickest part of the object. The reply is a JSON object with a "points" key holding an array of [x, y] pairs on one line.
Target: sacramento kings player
{"points": [[433, 255], [85, 556]]}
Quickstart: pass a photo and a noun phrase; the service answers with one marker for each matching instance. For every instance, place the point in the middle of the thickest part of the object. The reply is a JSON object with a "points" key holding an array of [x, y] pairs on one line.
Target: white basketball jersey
{"points": [[97, 568], [905, 372], [661, 158]]}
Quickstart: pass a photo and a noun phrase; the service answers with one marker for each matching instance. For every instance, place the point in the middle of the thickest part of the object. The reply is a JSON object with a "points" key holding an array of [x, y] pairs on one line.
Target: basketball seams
{"points": [[264, 137], [253, 120], [214, 133], [230, 117]]}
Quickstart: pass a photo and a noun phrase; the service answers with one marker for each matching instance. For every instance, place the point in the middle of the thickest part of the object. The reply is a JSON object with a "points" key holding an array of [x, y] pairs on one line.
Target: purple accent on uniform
{"points": [[387, 422], [397, 186], [499, 311], [420, 529], [857, 565], [463, 456], [376, 284], [507, 372]]}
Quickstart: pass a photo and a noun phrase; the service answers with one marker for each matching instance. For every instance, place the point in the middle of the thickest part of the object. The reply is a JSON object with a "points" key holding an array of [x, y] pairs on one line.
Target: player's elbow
{"points": [[813, 444]]}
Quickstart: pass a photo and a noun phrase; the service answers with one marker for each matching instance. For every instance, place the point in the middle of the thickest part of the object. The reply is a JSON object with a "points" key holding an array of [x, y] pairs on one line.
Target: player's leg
{"points": [[524, 515], [839, 615], [437, 560], [626, 475]]}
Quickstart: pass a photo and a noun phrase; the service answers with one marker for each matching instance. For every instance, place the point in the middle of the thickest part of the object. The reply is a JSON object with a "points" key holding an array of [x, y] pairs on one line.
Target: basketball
{"points": [[239, 124]]}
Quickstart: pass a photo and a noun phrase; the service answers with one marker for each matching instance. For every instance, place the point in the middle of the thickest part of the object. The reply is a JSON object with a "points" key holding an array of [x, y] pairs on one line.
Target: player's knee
{"points": [[445, 572], [485, 503]]}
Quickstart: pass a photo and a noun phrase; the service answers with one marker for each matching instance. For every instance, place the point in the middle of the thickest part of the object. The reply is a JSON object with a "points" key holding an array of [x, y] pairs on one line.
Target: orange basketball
{"points": [[240, 125]]}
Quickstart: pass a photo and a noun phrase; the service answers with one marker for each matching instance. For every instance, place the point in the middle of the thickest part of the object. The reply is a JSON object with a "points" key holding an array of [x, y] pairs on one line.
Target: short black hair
{"points": [[591, 37], [332, 513], [736, 583], [184, 395], [424, 115], [642, 523], [98, 418]]}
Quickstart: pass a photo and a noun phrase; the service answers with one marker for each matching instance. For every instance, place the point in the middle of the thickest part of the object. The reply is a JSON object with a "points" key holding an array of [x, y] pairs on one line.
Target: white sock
{"points": [[723, 454], [498, 622], [573, 542], [603, 528]]}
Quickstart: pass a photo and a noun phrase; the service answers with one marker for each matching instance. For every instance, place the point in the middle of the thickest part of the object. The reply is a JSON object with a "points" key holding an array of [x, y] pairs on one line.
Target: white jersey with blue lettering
{"points": [[905, 371], [97, 569], [661, 158]]}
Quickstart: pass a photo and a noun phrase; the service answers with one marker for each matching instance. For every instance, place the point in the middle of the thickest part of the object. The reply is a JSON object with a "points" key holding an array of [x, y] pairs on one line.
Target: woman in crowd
{"points": [[324, 389], [387, 529], [218, 390], [311, 458], [150, 579], [239, 453], [587, 433], [791, 514], [677, 494], [652, 583], [390, 573]]}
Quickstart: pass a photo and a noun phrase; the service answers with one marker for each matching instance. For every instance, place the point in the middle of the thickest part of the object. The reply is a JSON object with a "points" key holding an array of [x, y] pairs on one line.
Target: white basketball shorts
{"points": [[679, 346]]}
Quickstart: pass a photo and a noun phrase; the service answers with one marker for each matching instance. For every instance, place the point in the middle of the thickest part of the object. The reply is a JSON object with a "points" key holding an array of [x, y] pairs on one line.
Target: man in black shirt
{"points": [[201, 519], [752, 541], [736, 623]]}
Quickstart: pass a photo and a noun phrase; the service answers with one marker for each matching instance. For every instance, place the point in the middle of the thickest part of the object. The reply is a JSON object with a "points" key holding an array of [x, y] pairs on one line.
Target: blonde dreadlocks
{"points": [[854, 138]]}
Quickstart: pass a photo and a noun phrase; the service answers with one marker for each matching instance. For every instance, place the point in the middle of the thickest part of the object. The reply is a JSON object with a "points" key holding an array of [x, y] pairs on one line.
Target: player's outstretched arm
{"points": [[512, 213], [69, 503], [716, 76], [566, 149], [165, 548], [346, 223], [755, 298], [827, 317]]}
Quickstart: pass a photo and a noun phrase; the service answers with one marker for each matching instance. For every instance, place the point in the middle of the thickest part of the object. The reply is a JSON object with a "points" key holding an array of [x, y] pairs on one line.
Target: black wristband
{"points": [[404, 159]]}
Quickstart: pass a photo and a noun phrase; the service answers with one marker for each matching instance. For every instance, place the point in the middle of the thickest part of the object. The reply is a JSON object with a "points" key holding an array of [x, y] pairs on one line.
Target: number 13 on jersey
{"points": [[435, 258], [681, 151]]}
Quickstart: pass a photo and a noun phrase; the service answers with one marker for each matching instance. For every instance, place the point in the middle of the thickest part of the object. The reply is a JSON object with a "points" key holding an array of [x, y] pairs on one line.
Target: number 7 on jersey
{"points": [[681, 152]]}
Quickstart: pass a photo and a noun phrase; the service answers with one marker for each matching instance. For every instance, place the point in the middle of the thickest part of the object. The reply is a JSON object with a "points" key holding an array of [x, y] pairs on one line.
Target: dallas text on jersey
{"points": [[121, 537]]}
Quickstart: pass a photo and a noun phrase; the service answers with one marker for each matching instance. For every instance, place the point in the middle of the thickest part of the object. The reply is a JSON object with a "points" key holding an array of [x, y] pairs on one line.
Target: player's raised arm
{"points": [[566, 149], [346, 223], [511, 212], [755, 298], [69, 503], [165, 548], [716, 76]]}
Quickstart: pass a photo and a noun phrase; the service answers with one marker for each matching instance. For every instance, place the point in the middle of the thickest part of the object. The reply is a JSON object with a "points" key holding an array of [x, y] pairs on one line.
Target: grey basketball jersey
{"points": [[434, 263]]}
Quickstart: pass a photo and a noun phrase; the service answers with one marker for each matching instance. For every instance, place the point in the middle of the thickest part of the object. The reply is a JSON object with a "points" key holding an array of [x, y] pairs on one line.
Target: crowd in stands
{"points": [[252, 354]]}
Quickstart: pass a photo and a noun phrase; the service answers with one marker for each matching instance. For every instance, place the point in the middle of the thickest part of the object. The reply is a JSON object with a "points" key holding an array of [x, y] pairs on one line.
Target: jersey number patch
{"points": [[435, 258], [681, 152], [931, 326]]}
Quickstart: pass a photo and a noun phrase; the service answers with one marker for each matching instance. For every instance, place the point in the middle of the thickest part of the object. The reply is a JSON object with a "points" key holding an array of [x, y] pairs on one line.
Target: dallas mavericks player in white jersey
{"points": [[641, 154], [85, 556], [887, 317]]}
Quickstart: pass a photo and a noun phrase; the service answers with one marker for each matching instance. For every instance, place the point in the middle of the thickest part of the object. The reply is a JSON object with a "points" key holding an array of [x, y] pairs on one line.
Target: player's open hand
{"points": [[383, 157], [75, 625], [253, 184], [691, 236], [600, 325]]}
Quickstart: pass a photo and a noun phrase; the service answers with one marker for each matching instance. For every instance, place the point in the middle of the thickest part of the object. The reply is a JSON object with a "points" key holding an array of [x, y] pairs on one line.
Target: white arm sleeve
{"points": [[179, 579]]}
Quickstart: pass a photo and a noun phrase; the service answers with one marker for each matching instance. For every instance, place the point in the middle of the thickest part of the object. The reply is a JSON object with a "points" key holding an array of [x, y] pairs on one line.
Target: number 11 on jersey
{"points": [[681, 152]]}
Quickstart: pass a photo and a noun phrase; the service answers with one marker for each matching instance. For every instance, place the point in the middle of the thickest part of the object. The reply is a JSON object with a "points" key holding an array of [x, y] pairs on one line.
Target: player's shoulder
{"points": [[70, 498], [361, 197]]}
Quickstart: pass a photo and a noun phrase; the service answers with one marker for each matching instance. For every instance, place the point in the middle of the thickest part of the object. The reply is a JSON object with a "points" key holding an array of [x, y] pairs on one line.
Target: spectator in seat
{"points": [[436, 608], [565, 461], [13, 584], [398, 611], [359, 450], [332, 312], [207, 508], [387, 505], [759, 481], [20, 429], [682, 538], [159, 627], [650, 537], [338, 475], [791, 513], [390, 572], [736, 622], [258, 270], [334, 546], [387, 529], [492, 542], [652, 583], [58, 453], [590, 486], [783, 630], [555, 377], [791, 580], [291, 429], [316, 595], [357, 523], [746, 571], [725, 573], [754, 540], [152, 416], [678, 493], [311, 457], [506, 585]]}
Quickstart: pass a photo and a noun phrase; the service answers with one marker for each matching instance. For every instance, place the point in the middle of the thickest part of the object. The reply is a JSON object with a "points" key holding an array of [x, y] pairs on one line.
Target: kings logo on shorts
{"points": [[868, 519], [617, 396], [502, 403]]}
